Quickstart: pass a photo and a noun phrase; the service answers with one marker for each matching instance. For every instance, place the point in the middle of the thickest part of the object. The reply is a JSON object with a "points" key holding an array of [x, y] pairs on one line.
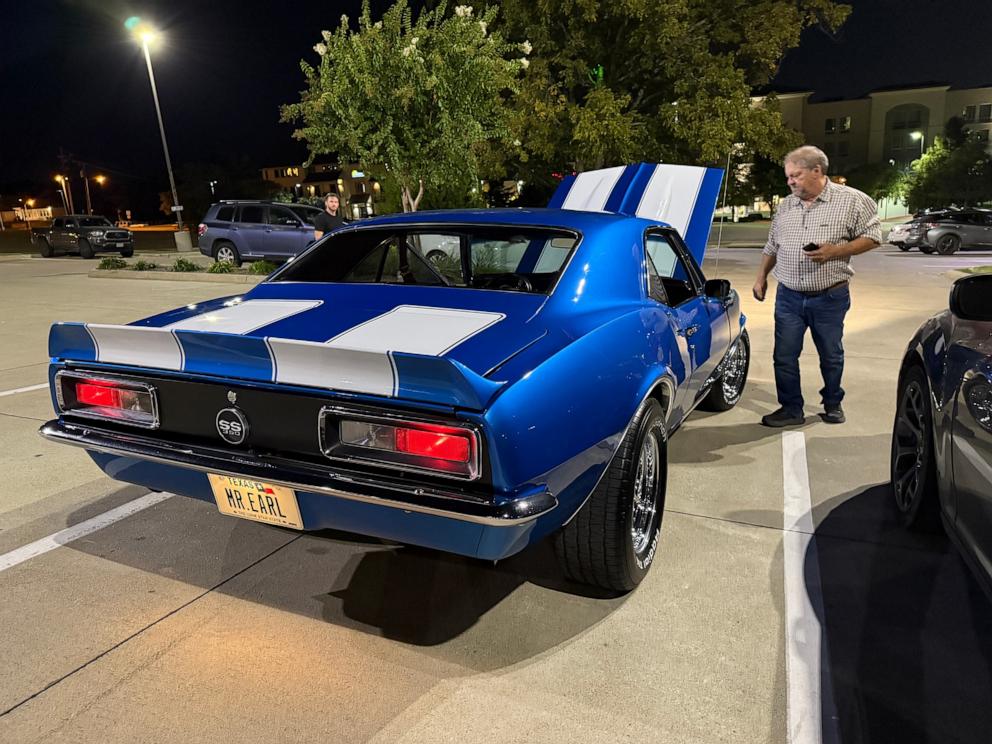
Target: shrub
{"points": [[112, 262], [184, 264], [262, 267], [221, 267], [143, 265]]}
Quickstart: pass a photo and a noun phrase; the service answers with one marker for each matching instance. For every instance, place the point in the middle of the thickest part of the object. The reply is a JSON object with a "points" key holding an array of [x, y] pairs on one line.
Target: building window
{"points": [[985, 112], [969, 113], [845, 123], [829, 126], [828, 149]]}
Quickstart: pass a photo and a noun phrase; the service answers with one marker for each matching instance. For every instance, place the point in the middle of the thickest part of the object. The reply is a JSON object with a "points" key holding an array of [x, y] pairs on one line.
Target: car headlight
{"points": [[978, 395], [97, 234]]}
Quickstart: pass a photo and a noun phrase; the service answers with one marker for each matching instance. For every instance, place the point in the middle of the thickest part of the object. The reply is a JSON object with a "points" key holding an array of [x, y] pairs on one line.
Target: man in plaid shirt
{"points": [[835, 222]]}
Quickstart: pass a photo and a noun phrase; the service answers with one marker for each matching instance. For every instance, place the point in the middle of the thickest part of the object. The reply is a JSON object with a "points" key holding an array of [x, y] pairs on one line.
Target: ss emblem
{"points": [[232, 426]]}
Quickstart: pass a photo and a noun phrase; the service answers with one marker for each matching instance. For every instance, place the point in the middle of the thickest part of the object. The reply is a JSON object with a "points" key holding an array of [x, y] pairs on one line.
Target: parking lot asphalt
{"points": [[762, 620]]}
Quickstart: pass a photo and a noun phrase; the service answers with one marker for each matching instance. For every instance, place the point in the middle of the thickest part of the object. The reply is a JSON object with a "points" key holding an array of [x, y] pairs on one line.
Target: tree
{"points": [[760, 180], [657, 80], [878, 180], [944, 176], [414, 101]]}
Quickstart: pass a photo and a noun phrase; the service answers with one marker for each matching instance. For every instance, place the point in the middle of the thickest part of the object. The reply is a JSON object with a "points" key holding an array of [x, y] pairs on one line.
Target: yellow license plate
{"points": [[252, 499]]}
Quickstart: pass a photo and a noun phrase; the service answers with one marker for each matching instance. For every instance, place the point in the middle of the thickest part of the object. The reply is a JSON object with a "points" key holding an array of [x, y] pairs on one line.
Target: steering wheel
{"points": [[510, 281]]}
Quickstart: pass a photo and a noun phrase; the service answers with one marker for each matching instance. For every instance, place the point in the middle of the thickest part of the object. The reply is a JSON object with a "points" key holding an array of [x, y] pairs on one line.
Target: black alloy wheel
{"points": [[948, 244], [914, 474], [926, 249]]}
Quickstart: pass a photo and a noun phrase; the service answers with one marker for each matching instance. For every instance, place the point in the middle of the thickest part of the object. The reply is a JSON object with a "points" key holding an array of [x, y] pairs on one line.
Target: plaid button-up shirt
{"points": [[838, 215]]}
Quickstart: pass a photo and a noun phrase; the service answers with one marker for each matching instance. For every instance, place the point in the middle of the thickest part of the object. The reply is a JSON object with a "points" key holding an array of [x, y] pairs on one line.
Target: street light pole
{"points": [[86, 188], [161, 129]]}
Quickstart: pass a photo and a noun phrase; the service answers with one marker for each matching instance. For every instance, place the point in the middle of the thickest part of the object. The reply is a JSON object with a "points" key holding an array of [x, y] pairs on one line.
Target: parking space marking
{"points": [[62, 537], [805, 645], [27, 389]]}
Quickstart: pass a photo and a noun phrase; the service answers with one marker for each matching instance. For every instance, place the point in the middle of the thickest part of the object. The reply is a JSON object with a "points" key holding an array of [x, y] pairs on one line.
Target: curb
{"points": [[176, 276]]}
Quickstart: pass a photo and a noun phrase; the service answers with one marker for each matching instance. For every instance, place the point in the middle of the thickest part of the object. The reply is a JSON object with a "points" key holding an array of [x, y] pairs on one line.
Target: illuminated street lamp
{"points": [[144, 33], [67, 193], [918, 136]]}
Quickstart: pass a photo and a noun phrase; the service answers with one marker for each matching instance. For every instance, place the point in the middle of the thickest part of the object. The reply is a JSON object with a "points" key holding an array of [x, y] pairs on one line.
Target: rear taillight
{"points": [[450, 450], [110, 399], [930, 225], [200, 229]]}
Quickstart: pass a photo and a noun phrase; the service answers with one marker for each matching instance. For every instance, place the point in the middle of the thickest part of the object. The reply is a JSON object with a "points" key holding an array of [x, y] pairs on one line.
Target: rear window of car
{"points": [[494, 258], [225, 214]]}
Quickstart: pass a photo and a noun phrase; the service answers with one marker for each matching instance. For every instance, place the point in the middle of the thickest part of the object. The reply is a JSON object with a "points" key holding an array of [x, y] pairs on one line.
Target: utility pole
{"points": [[86, 189]]}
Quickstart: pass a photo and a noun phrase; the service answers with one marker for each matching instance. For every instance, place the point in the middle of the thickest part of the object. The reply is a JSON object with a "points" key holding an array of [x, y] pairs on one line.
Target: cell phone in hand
{"points": [[811, 247]]}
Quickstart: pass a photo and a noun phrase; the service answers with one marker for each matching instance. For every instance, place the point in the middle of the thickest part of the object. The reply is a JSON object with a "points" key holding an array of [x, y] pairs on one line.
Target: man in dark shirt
{"points": [[330, 218]]}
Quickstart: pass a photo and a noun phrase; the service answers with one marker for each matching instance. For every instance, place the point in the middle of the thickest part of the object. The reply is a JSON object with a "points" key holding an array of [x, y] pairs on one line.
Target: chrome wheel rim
{"points": [[225, 253], [910, 451], [732, 379], [645, 502]]}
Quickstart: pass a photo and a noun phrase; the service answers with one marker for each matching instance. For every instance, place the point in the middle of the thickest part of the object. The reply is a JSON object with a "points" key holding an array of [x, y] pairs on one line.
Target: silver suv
{"points": [[946, 231]]}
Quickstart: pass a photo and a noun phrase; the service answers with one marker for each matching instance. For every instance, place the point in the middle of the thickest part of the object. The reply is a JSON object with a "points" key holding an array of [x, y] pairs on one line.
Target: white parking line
{"points": [[62, 537], [28, 389], [805, 646]]}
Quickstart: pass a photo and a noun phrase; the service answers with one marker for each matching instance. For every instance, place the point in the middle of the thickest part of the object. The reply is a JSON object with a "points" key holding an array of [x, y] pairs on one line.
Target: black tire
{"points": [[611, 541], [926, 249], [727, 389], [225, 250], [127, 252], [85, 249], [45, 248], [914, 473], [902, 246], [948, 244], [435, 256]]}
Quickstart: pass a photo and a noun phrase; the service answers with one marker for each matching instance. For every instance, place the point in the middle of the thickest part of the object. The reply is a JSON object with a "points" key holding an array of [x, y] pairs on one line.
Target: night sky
{"points": [[73, 78]]}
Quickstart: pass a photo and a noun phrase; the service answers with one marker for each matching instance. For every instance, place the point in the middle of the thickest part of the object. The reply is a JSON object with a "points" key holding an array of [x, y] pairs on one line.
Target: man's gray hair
{"points": [[808, 157]]}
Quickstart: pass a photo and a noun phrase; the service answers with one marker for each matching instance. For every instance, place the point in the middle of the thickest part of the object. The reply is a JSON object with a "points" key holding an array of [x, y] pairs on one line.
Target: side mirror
{"points": [[971, 298], [718, 289]]}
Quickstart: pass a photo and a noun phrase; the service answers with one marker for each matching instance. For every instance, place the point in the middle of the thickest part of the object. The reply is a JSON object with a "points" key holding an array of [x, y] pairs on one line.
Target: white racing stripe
{"points": [[245, 317], [28, 389], [62, 537], [805, 648], [140, 346], [670, 195], [591, 190]]}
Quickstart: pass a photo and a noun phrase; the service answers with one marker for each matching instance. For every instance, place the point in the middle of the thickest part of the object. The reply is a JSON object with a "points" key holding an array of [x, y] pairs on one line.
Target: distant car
{"points": [[527, 390], [946, 231], [85, 234], [941, 457], [898, 234], [237, 230]]}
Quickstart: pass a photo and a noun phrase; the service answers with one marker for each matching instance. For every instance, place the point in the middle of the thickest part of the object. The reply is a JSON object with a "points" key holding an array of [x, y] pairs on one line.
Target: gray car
{"points": [[941, 456], [946, 231]]}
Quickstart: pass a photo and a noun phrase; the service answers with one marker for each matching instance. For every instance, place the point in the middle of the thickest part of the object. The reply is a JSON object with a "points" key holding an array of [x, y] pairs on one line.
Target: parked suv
{"points": [[946, 231], [238, 230], [86, 234]]}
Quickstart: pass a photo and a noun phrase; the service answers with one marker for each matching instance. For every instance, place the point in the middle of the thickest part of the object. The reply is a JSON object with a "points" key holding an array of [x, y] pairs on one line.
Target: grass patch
{"points": [[111, 263], [184, 264], [262, 267], [143, 265], [221, 267], [978, 270]]}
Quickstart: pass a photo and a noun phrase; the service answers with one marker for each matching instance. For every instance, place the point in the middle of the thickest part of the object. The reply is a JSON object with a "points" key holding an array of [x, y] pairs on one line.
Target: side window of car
{"points": [[282, 216], [671, 268], [58, 222], [225, 214], [253, 214]]}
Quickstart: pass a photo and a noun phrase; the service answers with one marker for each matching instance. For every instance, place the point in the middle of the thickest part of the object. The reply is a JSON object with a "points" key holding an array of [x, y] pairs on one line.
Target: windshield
{"points": [[500, 258], [94, 222]]}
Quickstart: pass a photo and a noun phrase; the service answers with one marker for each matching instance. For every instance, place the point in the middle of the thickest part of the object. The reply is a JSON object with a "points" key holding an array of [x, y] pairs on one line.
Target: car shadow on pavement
{"points": [[907, 629]]}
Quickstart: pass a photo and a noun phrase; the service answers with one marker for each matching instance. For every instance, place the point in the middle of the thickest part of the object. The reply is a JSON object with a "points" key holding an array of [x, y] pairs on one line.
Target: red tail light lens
{"points": [[110, 399], [200, 229], [418, 445]]}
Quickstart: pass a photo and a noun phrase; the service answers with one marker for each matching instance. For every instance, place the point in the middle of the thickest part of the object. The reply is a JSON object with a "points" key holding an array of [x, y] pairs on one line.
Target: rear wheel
{"points": [[926, 249], [45, 248], [727, 389], [948, 244], [914, 474], [611, 541], [224, 250], [902, 246], [85, 249]]}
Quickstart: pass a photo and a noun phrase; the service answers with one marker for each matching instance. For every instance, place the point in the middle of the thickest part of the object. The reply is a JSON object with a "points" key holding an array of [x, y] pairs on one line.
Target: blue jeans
{"points": [[824, 316]]}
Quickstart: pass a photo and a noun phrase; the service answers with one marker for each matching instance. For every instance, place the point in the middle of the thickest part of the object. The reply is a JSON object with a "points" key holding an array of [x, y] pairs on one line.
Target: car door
{"points": [[285, 234], [701, 326], [55, 234], [972, 229], [249, 230], [986, 222]]}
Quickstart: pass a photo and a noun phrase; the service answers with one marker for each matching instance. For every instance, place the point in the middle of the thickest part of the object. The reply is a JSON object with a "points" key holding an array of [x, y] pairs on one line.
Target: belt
{"points": [[818, 292]]}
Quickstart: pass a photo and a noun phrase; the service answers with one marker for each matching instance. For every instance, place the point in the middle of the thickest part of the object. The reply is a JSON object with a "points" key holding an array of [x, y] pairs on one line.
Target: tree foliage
{"points": [[414, 100], [656, 80], [946, 176], [878, 180]]}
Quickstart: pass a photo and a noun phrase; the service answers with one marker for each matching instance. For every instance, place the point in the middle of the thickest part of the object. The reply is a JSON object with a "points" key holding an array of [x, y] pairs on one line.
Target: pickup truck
{"points": [[87, 234]]}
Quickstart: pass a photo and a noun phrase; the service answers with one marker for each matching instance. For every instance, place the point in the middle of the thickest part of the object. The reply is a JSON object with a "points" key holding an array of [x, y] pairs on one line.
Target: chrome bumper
{"points": [[302, 476]]}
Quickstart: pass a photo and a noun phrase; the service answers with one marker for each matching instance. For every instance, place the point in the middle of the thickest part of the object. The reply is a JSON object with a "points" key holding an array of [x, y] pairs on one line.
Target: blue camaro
{"points": [[522, 385]]}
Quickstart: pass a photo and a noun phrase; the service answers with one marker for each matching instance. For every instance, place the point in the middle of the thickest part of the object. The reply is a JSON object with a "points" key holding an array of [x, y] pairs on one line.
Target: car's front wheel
{"points": [[902, 246], [612, 540], [926, 249], [225, 251], [127, 252], [914, 475], [85, 249], [728, 388], [45, 248], [948, 244]]}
